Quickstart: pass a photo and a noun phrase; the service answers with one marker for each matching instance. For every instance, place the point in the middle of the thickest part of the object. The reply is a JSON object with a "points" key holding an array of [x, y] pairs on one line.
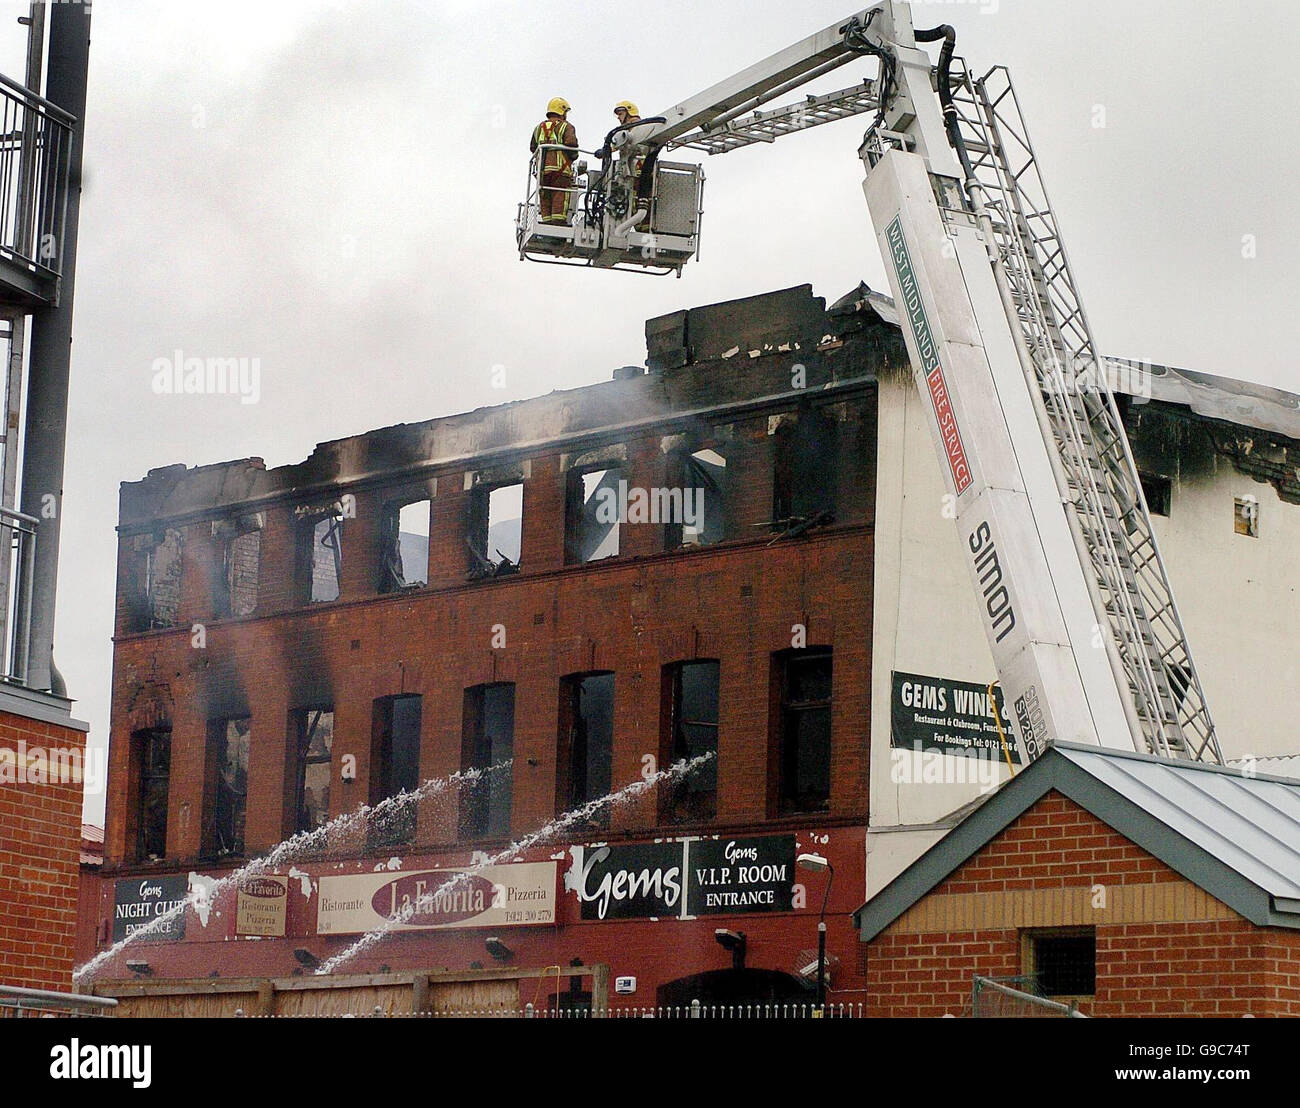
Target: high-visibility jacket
{"points": [[555, 131]]}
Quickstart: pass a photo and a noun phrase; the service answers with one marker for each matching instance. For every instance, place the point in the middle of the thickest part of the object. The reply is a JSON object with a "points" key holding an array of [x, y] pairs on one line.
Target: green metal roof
{"points": [[1235, 835]]}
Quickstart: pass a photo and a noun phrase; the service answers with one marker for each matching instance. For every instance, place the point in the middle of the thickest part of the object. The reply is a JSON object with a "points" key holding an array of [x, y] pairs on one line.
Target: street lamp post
{"points": [[817, 863]]}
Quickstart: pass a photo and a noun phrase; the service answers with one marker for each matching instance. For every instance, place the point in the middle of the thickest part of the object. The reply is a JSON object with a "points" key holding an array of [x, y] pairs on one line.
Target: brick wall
{"points": [[40, 837], [1164, 947], [739, 602]]}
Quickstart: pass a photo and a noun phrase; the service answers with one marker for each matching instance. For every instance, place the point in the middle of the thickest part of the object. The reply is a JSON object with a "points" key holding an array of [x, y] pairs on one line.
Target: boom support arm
{"points": [[1074, 598]]}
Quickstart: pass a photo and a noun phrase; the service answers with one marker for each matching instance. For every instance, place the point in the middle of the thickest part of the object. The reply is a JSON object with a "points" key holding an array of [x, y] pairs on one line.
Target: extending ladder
{"points": [[760, 126], [1096, 474]]}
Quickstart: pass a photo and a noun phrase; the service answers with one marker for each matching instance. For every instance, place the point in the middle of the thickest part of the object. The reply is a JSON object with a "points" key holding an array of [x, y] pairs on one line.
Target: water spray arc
{"points": [[560, 823], [293, 849]]}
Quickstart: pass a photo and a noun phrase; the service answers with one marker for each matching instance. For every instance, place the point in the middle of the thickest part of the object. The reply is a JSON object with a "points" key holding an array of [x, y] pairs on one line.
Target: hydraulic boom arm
{"points": [[1074, 597]]}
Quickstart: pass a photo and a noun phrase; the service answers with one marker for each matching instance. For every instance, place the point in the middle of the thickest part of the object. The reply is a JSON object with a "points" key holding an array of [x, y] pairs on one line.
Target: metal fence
{"points": [[18, 1003], [1002, 999], [758, 1011]]}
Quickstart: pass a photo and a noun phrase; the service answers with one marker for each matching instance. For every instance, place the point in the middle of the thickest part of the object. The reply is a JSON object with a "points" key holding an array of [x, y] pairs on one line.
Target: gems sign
{"points": [[688, 877], [138, 901], [947, 716]]}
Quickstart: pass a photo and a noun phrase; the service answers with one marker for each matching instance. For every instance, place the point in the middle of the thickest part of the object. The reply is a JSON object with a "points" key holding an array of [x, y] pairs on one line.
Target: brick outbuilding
{"points": [[1131, 885]]}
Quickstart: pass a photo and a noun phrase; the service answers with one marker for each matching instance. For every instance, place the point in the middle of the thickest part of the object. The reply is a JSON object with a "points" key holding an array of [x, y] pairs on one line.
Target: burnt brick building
{"points": [[584, 587], [739, 556]]}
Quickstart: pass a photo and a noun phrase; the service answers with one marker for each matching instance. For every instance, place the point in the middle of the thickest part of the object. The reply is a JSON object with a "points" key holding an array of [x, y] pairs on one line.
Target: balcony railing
{"points": [[18, 541], [35, 153]]}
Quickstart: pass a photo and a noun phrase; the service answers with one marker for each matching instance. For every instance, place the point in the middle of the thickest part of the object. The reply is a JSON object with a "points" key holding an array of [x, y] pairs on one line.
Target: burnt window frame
{"points": [[570, 743], [305, 552], [1158, 492], [678, 472], [146, 742], [303, 759], [392, 578], [402, 827], [476, 809], [783, 766], [229, 568], [478, 526], [683, 799], [140, 594], [803, 496], [227, 533], [574, 514], [213, 842]]}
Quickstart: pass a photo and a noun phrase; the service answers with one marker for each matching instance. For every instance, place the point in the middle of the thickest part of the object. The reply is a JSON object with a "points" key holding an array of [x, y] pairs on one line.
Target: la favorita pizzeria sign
{"points": [[520, 894]]}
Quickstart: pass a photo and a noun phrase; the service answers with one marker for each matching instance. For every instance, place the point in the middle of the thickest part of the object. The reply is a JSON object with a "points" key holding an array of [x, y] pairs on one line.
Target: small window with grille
{"points": [[1061, 961]]}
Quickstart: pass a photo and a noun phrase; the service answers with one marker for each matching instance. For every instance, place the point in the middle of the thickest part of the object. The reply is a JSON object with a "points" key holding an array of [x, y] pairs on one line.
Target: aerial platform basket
{"points": [[607, 226]]}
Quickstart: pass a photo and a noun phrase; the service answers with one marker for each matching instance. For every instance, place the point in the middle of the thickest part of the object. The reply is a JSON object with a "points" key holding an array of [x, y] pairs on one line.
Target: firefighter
{"points": [[557, 165], [625, 112]]}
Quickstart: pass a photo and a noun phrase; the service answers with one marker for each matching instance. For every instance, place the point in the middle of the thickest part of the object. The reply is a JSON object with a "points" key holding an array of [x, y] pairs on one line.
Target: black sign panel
{"points": [[629, 882], [948, 717], [138, 901], [741, 875]]}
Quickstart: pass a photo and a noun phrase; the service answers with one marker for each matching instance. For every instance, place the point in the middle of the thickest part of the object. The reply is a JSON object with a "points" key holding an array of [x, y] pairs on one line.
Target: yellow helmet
{"points": [[558, 105], [631, 108]]}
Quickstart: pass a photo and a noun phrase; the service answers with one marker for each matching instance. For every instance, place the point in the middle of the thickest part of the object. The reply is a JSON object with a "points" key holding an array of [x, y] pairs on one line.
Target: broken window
{"points": [[404, 546], [394, 767], [1158, 492], [803, 746], [1245, 516], [242, 562], [495, 530], [228, 746], [691, 730], [154, 586], [314, 731], [696, 506], [320, 554], [234, 580], [805, 473], [585, 760], [594, 512], [487, 743], [152, 756]]}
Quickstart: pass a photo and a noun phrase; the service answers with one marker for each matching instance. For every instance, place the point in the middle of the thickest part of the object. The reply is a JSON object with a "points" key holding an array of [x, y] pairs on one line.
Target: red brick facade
{"points": [[40, 824], [633, 617], [1217, 966], [744, 601]]}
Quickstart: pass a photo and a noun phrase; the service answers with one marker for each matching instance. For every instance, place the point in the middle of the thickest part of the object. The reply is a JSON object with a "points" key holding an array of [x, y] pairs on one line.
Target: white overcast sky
{"points": [[329, 186]]}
